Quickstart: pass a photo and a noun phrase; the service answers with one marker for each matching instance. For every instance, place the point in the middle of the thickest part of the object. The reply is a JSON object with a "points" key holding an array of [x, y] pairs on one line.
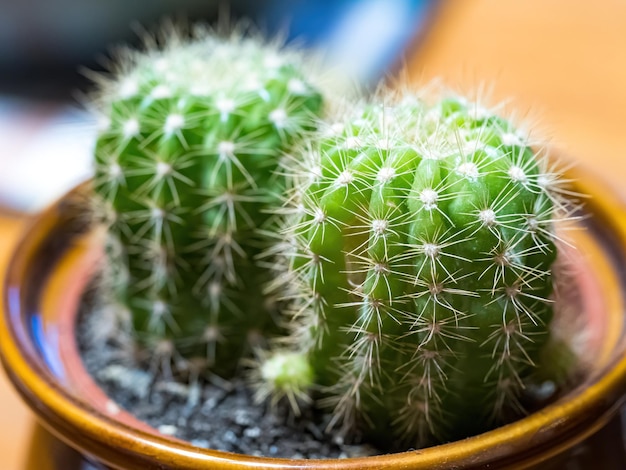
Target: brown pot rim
{"points": [[540, 435]]}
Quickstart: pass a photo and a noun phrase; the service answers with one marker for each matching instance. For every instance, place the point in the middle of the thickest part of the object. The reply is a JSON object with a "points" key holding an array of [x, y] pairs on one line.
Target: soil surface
{"points": [[213, 414]]}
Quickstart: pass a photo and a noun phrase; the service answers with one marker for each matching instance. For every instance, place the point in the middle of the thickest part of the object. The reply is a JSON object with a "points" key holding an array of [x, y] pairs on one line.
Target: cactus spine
{"points": [[185, 172], [418, 254]]}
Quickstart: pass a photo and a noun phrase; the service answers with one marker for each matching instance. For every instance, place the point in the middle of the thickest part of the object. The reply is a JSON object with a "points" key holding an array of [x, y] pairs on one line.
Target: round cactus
{"points": [[186, 159], [419, 252]]}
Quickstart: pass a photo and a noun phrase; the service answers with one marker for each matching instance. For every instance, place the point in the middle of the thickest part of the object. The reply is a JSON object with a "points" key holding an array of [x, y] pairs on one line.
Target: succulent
{"points": [[185, 172], [418, 256]]}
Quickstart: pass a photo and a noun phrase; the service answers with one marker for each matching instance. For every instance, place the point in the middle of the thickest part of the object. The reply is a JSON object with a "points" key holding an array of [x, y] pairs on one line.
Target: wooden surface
{"points": [[16, 422], [562, 62]]}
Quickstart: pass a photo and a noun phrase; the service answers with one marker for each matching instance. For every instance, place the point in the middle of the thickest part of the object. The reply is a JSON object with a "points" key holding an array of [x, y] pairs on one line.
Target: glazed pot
{"points": [[55, 260]]}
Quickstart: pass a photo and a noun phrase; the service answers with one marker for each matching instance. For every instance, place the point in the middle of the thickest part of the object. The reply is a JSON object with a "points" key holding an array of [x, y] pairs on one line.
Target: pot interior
{"points": [[60, 254]]}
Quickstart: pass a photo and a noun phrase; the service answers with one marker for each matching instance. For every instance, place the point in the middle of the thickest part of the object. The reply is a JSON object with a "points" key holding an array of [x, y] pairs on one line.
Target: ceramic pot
{"points": [[55, 260]]}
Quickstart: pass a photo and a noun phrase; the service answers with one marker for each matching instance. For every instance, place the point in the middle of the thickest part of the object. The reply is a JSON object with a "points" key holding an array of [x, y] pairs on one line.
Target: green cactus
{"points": [[418, 255], [185, 169]]}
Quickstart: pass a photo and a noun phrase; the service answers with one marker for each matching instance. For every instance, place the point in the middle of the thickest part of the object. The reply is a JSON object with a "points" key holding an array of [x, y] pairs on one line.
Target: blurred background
{"points": [[45, 136], [561, 62]]}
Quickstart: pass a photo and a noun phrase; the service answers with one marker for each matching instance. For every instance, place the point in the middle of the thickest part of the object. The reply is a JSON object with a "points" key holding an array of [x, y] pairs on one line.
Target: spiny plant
{"points": [[185, 171], [418, 256]]}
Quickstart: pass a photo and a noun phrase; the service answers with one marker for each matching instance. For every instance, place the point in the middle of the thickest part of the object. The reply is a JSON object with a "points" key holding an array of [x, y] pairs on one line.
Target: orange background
{"points": [[562, 62]]}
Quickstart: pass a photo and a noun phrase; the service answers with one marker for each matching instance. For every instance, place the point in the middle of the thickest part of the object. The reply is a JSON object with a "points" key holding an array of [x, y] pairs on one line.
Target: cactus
{"points": [[185, 171], [418, 255]]}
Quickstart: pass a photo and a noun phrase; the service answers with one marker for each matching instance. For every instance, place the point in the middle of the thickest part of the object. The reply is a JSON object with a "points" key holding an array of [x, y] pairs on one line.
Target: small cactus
{"points": [[418, 257], [185, 171]]}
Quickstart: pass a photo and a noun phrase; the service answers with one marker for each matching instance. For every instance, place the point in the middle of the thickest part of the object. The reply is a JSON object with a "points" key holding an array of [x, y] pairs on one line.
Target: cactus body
{"points": [[185, 172], [419, 252]]}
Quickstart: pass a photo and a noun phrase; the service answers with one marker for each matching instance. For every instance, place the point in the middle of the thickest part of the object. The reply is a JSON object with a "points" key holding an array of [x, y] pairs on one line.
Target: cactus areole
{"points": [[419, 246], [186, 162]]}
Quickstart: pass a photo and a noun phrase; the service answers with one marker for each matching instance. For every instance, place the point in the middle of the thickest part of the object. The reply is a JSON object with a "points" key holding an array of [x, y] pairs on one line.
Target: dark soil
{"points": [[213, 414]]}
